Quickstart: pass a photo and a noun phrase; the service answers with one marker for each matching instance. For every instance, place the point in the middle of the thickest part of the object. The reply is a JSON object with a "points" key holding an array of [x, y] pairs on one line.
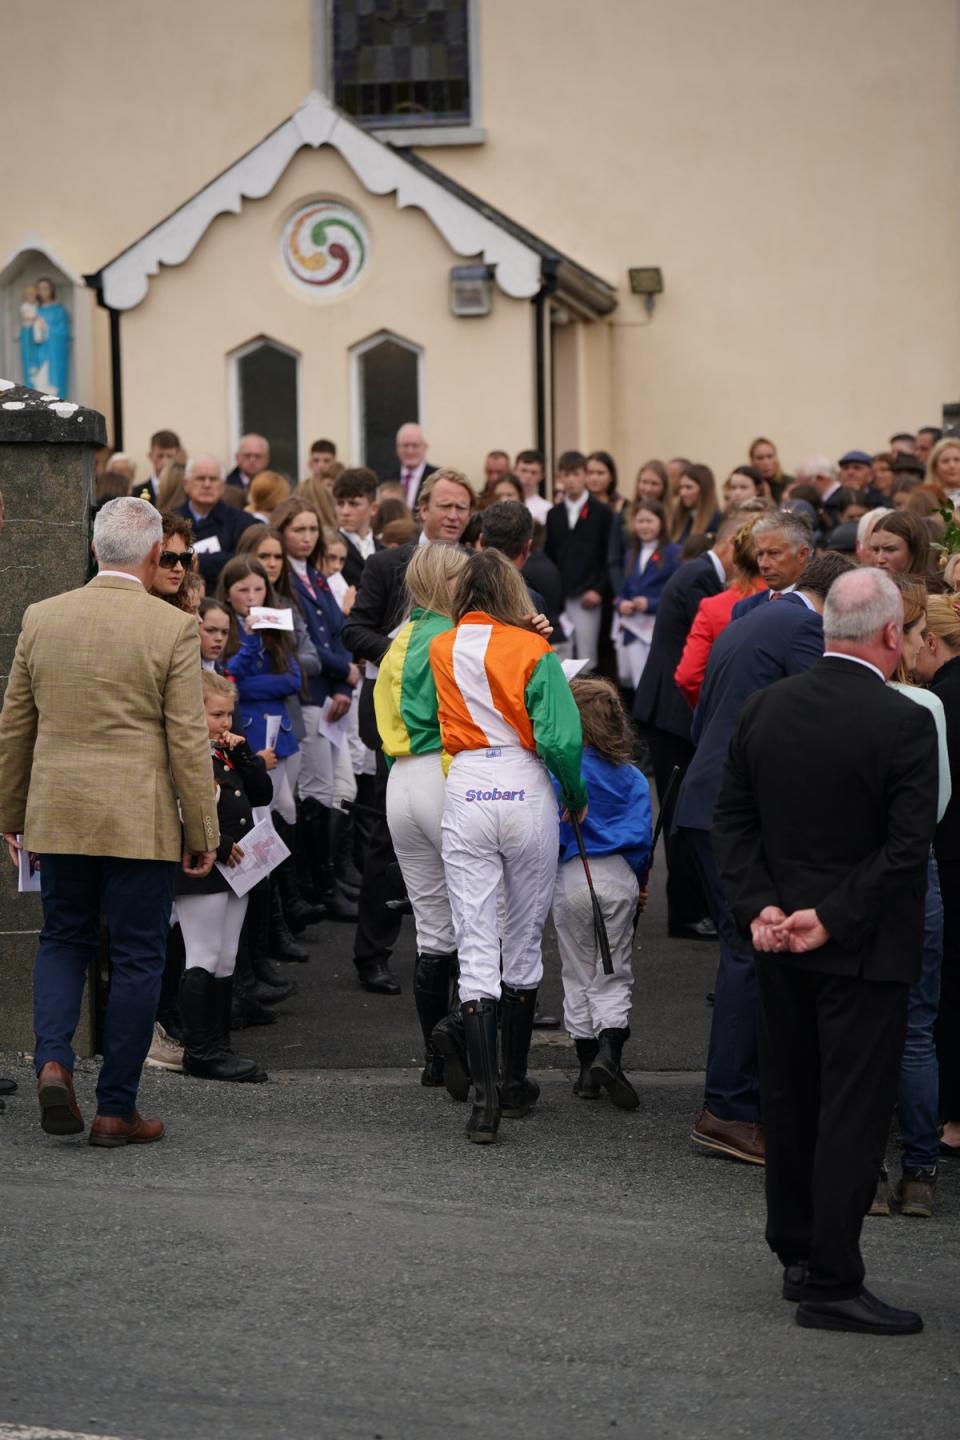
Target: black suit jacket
{"points": [[658, 701], [397, 479], [829, 801], [377, 610], [946, 685], [226, 524], [773, 641], [580, 554], [354, 564], [540, 572]]}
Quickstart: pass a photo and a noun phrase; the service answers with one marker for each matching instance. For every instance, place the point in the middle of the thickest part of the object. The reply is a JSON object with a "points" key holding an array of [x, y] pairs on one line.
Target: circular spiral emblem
{"points": [[325, 246]]}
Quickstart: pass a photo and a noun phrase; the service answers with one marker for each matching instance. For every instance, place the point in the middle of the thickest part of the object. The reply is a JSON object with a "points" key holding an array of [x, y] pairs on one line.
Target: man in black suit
{"points": [[412, 455], [216, 526], [164, 447], [771, 642], [445, 505], [578, 535], [661, 708], [355, 501], [833, 897]]}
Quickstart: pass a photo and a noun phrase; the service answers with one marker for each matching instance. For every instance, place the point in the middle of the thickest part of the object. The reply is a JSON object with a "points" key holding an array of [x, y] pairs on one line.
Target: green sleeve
{"points": [[556, 728]]}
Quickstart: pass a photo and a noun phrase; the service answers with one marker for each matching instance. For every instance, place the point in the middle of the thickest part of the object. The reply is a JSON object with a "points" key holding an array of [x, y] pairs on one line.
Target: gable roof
{"points": [[521, 262]]}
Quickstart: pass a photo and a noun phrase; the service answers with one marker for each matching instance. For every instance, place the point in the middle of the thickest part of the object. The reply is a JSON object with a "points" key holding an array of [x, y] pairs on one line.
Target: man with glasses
{"points": [[216, 526]]}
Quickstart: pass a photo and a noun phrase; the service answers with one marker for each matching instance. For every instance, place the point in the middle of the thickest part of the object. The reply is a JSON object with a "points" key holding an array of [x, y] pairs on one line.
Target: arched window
{"points": [[265, 400], [386, 393]]}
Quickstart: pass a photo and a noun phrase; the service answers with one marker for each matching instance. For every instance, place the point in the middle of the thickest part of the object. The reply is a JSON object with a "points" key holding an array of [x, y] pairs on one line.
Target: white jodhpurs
{"points": [[593, 1001], [415, 789], [318, 759], [586, 630], [500, 822], [283, 777], [211, 926]]}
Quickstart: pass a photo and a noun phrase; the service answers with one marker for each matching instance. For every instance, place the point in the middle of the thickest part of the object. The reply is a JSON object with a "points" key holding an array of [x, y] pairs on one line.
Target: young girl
{"points": [[334, 559], [651, 562], [210, 914], [214, 634], [507, 717], [324, 825], [405, 699], [696, 510], [617, 836]]}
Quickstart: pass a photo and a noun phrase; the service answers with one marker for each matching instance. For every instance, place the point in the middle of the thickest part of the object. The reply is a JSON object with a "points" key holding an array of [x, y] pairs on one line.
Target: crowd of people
{"points": [[446, 701]]}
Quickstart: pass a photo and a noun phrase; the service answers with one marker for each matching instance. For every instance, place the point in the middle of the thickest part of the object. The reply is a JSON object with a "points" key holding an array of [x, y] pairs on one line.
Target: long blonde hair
{"points": [[943, 619], [430, 577]]}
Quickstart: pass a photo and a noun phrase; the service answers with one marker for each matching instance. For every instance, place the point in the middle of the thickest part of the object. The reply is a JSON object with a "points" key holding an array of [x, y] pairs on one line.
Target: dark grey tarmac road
{"points": [[326, 1256]]}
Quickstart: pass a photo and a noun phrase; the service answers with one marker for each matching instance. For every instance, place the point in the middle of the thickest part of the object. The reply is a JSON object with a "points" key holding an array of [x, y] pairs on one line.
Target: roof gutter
{"points": [[116, 368]]}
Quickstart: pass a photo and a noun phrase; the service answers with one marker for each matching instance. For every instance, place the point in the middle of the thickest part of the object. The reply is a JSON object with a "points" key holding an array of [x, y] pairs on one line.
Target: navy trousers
{"points": [[136, 897], [732, 1090]]}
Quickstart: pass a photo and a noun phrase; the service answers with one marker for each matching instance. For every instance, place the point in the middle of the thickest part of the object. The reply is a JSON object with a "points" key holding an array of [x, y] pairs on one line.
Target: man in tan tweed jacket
{"points": [[102, 731]]}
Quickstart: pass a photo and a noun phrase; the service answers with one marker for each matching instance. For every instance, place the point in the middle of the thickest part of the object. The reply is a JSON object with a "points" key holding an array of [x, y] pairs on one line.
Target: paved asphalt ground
{"points": [[326, 1256]]}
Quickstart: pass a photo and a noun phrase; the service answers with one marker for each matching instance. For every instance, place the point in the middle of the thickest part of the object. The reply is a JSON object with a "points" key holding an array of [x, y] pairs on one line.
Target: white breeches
{"points": [[630, 660], [211, 926], [344, 780], [318, 761], [283, 777], [415, 789], [586, 630], [500, 822], [593, 1001]]}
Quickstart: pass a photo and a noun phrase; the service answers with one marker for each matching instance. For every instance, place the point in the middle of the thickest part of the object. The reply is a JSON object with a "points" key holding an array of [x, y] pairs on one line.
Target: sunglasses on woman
{"points": [[171, 558]]}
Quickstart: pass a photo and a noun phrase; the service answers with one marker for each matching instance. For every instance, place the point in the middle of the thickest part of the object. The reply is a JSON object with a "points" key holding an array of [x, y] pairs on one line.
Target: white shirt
{"points": [[299, 566], [718, 566], [539, 508], [364, 543], [647, 549], [121, 575], [838, 655], [412, 480], [574, 507]]}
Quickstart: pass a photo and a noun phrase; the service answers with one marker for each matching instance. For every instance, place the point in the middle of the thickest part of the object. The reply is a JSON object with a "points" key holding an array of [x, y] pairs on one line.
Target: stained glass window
{"points": [[402, 62]]}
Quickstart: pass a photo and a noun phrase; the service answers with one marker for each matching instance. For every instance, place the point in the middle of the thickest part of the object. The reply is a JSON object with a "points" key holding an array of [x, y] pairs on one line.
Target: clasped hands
{"points": [[773, 930]]}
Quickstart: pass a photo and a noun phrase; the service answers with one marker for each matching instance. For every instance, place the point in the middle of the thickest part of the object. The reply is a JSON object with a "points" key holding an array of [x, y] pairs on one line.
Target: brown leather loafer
{"points": [[113, 1130], [59, 1111], [736, 1138]]}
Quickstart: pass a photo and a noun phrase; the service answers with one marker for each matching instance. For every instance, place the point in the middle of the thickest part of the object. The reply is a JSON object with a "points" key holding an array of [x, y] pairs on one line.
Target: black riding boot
{"points": [[431, 992], [248, 1008], [296, 910], [347, 876], [271, 986], [203, 1051], [318, 825], [606, 1070], [584, 1086], [167, 1012], [280, 943], [480, 1030], [223, 1005], [518, 1095], [450, 1042]]}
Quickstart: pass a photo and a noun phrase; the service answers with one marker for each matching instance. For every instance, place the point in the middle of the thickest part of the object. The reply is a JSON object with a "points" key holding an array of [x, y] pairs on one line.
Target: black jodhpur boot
{"points": [[271, 986], [203, 1051], [606, 1070], [480, 1029], [223, 1003], [280, 943], [584, 1087], [299, 914], [319, 828], [451, 1043], [518, 1095], [346, 874], [431, 990]]}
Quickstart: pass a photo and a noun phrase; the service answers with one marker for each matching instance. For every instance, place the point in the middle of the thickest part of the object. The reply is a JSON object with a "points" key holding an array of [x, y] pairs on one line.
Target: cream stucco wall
{"points": [[477, 373], [793, 168]]}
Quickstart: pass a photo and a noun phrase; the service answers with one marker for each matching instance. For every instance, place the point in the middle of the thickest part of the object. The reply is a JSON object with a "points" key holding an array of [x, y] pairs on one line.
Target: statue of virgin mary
{"points": [[45, 341]]}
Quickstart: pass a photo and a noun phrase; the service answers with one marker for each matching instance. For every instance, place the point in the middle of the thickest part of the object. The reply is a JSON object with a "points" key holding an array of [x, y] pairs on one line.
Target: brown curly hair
{"points": [[604, 720]]}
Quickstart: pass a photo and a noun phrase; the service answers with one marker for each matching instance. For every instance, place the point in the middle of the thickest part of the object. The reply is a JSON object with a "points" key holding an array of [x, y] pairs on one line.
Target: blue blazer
{"points": [[750, 602], [225, 524], [649, 582], [262, 692], [324, 620], [768, 643]]}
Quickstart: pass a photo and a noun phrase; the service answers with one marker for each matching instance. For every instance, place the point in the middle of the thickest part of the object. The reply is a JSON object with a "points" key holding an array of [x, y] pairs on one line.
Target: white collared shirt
{"points": [[539, 508], [298, 566], [718, 566], [120, 575], [839, 655], [574, 507], [364, 543]]}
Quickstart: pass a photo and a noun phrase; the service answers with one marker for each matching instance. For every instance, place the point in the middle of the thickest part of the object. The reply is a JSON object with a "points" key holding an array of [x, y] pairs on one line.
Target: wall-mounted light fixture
{"points": [[471, 290], [646, 280]]}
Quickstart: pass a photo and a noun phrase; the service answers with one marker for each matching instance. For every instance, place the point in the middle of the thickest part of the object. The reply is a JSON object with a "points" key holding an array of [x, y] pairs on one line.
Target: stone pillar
{"points": [[46, 479]]}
